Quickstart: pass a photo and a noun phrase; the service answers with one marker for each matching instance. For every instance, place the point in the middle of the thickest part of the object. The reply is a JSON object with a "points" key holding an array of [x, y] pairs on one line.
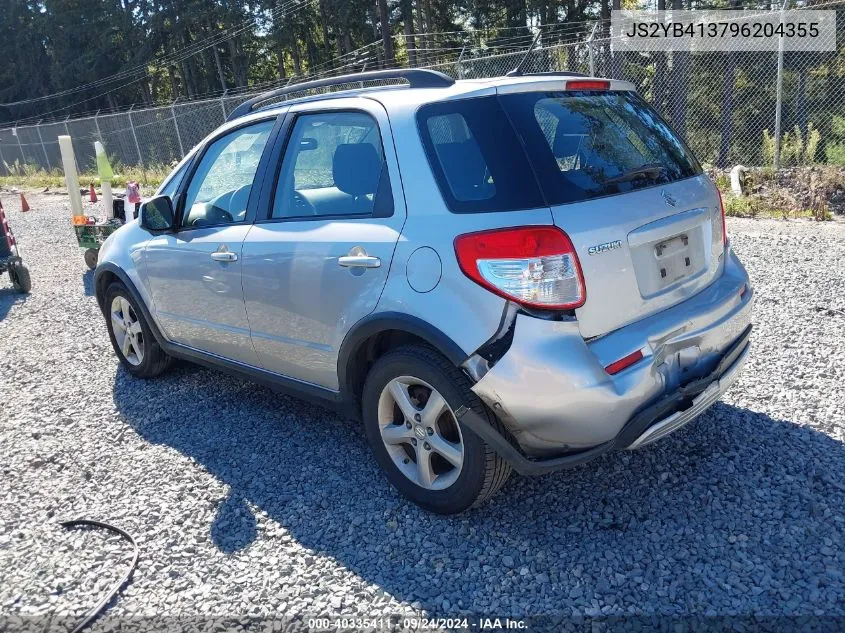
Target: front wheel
{"points": [[131, 336], [409, 403]]}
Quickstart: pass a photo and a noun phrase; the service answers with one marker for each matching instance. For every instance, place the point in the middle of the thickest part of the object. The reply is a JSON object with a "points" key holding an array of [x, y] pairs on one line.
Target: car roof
{"points": [[402, 96]]}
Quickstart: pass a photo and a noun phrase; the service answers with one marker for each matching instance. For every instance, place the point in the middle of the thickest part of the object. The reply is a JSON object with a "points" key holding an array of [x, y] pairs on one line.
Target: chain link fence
{"points": [[726, 105]]}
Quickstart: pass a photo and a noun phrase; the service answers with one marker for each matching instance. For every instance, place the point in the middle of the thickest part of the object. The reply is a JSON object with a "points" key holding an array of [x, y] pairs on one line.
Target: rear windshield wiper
{"points": [[644, 171]]}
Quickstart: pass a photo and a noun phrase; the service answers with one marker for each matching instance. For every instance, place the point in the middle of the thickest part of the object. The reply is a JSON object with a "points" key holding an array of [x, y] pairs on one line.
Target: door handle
{"points": [[359, 261], [224, 256]]}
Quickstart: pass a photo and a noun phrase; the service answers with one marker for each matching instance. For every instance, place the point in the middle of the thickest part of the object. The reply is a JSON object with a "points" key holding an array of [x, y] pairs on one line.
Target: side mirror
{"points": [[157, 214]]}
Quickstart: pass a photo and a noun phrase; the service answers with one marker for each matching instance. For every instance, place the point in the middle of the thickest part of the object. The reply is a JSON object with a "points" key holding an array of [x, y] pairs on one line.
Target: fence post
{"points": [[3, 160], [176, 125], [135, 136], [590, 50], [779, 94], [43, 149], [97, 123], [458, 64], [20, 147], [223, 105]]}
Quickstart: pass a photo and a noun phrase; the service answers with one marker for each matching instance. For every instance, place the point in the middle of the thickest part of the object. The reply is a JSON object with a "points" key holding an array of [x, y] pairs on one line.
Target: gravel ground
{"points": [[248, 503]]}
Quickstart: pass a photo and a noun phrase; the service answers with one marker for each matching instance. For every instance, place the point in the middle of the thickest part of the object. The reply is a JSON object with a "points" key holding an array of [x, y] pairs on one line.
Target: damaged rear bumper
{"points": [[551, 391], [667, 414]]}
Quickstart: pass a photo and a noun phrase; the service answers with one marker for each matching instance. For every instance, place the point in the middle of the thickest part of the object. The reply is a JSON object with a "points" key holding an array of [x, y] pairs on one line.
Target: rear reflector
{"points": [[624, 363], [588, 84], [535, 266]]}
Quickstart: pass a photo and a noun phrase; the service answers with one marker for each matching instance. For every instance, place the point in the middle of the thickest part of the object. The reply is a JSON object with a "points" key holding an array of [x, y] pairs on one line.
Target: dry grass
{"points": [[29, 177]]}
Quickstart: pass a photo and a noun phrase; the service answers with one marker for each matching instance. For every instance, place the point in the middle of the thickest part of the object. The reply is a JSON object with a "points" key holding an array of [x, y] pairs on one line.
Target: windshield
{"points": [[589, 144]]}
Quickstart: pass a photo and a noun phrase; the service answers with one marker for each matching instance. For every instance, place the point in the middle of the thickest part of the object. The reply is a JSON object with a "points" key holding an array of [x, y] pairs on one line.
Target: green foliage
{"points": [[740, 207], [794, 148], [835, 145]]}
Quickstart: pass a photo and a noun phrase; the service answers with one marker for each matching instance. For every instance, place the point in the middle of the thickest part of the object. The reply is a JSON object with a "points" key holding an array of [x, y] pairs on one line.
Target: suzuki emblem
{"points": [[669, 199]]}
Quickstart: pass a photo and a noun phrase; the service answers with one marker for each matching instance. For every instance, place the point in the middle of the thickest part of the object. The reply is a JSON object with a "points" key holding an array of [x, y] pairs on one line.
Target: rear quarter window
{"points": [[476, 157]]}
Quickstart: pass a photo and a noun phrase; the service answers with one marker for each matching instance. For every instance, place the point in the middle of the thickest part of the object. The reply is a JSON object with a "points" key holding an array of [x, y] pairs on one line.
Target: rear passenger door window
{"points": [[334, 167]]}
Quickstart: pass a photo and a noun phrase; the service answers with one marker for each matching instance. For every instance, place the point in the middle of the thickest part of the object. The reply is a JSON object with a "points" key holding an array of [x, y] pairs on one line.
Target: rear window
{"points": [[476, 157], [527, 150], [589, 144]]}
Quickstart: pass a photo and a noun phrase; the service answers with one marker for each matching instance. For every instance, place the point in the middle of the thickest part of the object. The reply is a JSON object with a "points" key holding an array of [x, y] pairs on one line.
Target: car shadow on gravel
{"points": [[9, 297], [737, 512], [88, 283]]}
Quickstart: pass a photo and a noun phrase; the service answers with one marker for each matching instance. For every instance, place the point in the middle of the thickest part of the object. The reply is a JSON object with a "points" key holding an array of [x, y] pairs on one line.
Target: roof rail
{"points": [[416, 77], [550, 73]]}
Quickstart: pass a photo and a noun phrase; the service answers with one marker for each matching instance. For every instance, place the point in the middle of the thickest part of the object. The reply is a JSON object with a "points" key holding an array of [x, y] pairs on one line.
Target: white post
{"points": [[107, 199], [43, 149], [779, 92], [71, 177], [135, 136]]}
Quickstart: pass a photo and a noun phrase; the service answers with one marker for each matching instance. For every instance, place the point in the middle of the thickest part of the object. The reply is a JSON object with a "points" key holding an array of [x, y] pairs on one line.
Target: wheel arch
{"points": [[106, 274], [377, 334]]}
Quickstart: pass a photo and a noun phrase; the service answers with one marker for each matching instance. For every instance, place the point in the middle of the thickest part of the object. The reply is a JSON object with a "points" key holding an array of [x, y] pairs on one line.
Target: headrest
{"points": [[356, 168], [464, 167]]}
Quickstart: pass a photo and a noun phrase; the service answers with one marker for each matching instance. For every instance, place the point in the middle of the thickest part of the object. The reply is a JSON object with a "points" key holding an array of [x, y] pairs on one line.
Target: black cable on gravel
{"points": [[101, 605]]}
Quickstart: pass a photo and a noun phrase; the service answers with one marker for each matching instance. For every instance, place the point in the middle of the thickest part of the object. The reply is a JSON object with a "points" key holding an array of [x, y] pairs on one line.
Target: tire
{"points": [[91, 257], [21, 280], [144, 357], [417, 369]]}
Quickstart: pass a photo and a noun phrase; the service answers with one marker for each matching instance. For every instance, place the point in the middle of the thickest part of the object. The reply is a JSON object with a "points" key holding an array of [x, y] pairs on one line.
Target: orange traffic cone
{"points": [[24, 204], [92, 195]]}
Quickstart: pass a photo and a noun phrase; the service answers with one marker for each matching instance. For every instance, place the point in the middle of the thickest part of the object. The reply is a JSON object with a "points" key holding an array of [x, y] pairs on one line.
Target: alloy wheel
{"points": [[420, 432], [127, 331]]}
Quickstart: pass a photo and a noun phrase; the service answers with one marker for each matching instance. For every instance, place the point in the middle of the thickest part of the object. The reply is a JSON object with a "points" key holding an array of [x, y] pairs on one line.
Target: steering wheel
{"points": [[300, 205], [234, 200], [206, 213]]}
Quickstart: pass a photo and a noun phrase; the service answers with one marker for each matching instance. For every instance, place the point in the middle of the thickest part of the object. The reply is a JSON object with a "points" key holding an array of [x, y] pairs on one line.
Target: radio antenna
{"points": [[516, 72]]}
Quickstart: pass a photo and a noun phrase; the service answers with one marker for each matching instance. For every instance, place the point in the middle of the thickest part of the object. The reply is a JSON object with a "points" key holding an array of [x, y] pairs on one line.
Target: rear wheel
{"points": [[91, 257], [409, 403], [21, 280], [131, 336]]}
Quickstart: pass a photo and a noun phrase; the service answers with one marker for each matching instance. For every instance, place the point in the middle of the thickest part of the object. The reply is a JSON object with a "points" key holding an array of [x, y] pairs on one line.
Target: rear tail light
{"points": [[724, 227], [588, 84], [535, 266]]}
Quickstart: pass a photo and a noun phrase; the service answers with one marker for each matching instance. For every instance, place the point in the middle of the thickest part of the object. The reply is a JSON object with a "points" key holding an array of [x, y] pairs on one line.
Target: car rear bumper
{"points": [[551, 391], [668, 414]]}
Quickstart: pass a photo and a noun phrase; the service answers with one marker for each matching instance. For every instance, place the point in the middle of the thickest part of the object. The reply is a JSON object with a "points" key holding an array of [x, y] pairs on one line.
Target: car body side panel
{"points": [[199, 301], [300, 301]]}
